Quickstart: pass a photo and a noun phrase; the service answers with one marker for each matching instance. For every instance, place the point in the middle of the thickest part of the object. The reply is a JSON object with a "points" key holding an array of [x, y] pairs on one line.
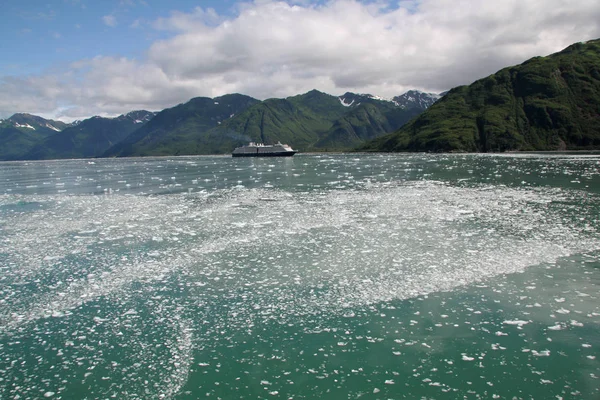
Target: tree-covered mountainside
{"points": [[19, 133], [365, 122], [310, 121], [48, 126], [298, 121], [182, 129], [546, 103], [316, 121], [89, 138]]}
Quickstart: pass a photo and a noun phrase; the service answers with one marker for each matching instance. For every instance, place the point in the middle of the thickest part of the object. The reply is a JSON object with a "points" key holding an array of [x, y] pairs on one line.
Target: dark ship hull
{"points": [[272, 154], [261, 150]]}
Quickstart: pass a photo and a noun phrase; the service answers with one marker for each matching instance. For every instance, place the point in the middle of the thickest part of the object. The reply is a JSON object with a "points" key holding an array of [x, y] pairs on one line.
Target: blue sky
{"points": [[40, 34], [72, 59]]}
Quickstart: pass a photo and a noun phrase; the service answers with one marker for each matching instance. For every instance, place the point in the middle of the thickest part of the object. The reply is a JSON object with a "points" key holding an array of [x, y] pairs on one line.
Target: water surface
{"points": [[317, 276]]}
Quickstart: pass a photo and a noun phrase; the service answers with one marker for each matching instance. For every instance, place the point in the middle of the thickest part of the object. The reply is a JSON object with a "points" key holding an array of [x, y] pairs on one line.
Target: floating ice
{"points": [[543, 353], [517, 322], [167, 276]]}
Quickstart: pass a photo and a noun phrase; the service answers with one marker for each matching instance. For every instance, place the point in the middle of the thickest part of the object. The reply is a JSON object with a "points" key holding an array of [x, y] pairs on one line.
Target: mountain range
{"points": [[308, 122], [21, 132], [546, 103], [88, 138]]}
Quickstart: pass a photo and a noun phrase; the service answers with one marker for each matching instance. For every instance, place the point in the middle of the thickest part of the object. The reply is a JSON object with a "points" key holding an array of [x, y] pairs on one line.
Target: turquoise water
{"points": [[320, 276]]}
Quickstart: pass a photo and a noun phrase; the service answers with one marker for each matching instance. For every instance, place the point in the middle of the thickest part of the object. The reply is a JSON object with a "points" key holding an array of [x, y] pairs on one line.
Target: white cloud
{"points": [[182, 22], [277, 49], [110, 20]]}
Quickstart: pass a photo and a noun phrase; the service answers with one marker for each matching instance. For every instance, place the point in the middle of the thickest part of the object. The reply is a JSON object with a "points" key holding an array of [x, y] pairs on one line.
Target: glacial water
{"points": [[314, 277]]}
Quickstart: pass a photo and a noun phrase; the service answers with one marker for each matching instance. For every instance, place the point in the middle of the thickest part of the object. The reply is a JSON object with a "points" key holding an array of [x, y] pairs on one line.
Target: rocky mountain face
{"points": [[408, 100], [416, 99], [546, 103]]}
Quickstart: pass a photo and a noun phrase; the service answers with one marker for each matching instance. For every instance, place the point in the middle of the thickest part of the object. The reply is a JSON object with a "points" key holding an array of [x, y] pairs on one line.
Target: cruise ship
{"points": [[263, 150]]}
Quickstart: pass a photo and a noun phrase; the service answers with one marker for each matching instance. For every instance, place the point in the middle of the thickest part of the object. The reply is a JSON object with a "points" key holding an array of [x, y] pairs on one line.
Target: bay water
{"points": [[322, 276]]}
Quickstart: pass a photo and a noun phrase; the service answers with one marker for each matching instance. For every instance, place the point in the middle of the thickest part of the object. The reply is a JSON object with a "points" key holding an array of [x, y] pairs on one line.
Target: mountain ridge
{"points": [[310, 121], [302, 121], [89, 138], [545, 103]]}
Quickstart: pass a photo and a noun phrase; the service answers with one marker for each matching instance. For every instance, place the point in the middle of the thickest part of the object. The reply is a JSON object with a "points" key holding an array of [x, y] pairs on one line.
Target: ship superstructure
{"points": [[264, 150]]}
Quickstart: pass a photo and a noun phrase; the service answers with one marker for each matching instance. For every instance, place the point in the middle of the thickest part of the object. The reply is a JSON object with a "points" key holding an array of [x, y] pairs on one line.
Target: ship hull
{"points": [[282, 154]]}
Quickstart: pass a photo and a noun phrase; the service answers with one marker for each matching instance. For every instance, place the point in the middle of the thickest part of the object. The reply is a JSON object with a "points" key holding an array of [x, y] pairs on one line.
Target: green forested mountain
{"points": [[19, 133], [89, 138], [182, 129], [365, 122], [316, 121], [310, 121], [297, 121], [48, 126], [546, 103]]}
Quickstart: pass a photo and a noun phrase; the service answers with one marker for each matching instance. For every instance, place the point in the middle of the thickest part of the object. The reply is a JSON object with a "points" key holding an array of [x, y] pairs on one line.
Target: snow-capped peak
{"points": [[377, 97], [354, 99], [139, 116], [416, 98], [410, 99]]}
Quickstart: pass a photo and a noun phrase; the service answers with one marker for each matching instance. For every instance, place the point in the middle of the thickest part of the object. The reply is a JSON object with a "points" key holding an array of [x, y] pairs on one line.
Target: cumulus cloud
{"points": [[280, 48]]}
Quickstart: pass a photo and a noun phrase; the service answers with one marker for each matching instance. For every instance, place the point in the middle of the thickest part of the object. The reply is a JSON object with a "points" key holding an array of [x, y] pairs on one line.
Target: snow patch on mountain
{"points": [[52, 127], [343, 101], [139, 116], [376, 97], [18, 125], [416, 98], [408, 100]]}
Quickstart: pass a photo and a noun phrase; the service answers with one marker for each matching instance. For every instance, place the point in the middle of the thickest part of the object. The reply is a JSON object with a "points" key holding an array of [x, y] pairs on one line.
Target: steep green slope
{"points": [[16, 141], [182, 129], [546, 103], [363, 123], [90, 138], [315, 121], [298, 121], [21, 132], [326, 106], [310, 121], [45, 126]]}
